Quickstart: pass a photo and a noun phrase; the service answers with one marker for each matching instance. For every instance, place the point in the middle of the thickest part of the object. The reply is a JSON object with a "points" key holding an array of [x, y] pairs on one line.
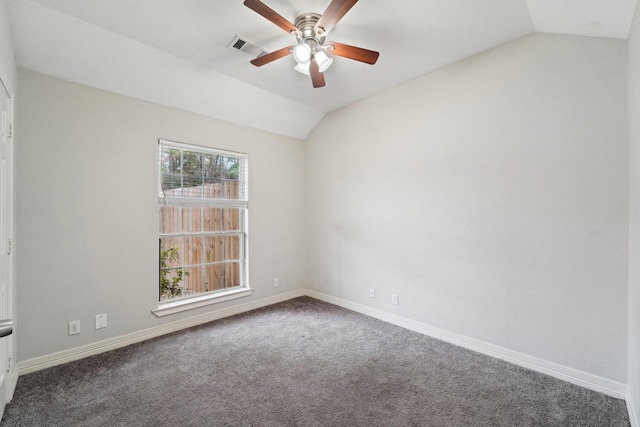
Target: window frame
{"points": [[179, 304]]}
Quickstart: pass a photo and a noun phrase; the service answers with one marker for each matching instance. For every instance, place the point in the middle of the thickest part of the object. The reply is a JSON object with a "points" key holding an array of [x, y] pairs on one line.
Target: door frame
{"points": [[12, 373]]}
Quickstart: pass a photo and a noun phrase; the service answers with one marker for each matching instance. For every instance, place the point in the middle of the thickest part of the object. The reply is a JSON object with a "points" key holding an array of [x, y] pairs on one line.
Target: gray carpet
{"points": [[301, 363]]}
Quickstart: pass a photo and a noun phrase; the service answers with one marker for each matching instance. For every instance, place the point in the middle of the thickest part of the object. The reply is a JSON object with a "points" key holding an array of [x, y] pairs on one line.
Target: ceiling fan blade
{"points": [[269, 57], [317, 78], [357, 53], [334, 13], [273, 16]]}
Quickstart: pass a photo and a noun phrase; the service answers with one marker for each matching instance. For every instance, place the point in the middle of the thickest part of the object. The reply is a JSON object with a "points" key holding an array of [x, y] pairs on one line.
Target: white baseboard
{"points": [[83, 351], [574, 376], [633, 413]]}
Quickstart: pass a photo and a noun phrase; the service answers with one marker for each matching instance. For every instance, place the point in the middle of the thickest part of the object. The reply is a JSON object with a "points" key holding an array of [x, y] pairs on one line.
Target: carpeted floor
{"points": [[301, 363]]}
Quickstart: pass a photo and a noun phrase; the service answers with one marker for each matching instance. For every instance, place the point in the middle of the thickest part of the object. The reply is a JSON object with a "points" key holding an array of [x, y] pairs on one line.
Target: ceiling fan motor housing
{"points": [[306, 23]]}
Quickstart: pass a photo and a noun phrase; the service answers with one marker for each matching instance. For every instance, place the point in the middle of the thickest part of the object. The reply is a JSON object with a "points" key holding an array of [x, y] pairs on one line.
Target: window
{"points": [[203, 216]]}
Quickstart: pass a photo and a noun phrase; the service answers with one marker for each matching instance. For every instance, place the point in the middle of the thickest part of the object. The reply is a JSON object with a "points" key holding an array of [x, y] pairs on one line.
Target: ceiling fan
{"points": [[312, 49]]}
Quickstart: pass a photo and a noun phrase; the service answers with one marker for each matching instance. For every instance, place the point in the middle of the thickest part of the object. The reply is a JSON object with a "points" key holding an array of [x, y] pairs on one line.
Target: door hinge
{"points": [[9, 364], [10, 247], [10, 130]]}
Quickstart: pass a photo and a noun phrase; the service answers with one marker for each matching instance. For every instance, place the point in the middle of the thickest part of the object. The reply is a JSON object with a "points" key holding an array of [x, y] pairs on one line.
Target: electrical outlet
{"points": [[372, 292], [276, 283], [74, 327], [394, 299], [101, 321]]}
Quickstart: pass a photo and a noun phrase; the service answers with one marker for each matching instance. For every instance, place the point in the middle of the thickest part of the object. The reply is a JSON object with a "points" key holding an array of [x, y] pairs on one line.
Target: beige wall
{"points": [[87, 209], [491, 195]]}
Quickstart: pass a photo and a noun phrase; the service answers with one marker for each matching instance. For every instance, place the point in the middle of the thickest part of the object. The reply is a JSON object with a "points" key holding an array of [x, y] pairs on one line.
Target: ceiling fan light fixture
{"points": [[302, 53], [324, 61], [304, 69]]}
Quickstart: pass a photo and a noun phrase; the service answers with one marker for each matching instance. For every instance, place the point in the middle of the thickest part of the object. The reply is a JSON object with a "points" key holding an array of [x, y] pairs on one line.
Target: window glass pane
{"points": [[231, 274], [216, 167], [213, 167], [222, 276], [212, 219], [171, 167], [215, 248], [192, 186], [192, 220], [170, 220], [215, 276], [193, 281], [171, 283], [208, 165], [221, 219], [212, 188], [193, 250], [192, 173], [231, 219], [210, 250], [170, 161], [232, 248], [231, 168], [171, 252], [172, 185], [192, 163], [231, 190]]}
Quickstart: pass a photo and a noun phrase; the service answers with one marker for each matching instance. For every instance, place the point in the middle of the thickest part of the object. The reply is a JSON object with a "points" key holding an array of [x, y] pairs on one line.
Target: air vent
{"points": [[244, 46]]}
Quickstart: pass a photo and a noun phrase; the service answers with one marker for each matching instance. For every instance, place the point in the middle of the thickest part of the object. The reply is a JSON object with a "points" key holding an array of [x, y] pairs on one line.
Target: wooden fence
{"points": [[208, 239]]}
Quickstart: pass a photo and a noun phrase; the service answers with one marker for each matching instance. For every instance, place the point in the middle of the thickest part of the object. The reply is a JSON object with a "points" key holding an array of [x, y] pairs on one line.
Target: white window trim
{"points": [[178, 306], [188, 303]]}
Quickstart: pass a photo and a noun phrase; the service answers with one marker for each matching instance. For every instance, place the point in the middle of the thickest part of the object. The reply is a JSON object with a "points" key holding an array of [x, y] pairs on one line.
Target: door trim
{"points": [[11, 379]]}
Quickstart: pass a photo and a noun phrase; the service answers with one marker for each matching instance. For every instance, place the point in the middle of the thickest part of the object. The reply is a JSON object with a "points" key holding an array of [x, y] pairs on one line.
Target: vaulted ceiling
{"points": [[174, 52]]}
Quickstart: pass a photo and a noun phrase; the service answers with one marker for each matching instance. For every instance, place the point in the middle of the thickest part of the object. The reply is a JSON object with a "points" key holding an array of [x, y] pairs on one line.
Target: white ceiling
{"points": [[173, 52]]}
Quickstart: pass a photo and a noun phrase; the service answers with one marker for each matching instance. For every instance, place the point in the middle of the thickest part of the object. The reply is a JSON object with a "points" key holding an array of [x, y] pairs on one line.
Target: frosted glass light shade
{"points": [[304, 69], [323, 60], [302, 54]]}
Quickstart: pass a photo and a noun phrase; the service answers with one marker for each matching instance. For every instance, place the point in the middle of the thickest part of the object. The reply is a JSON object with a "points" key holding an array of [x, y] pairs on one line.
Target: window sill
{"points": [[187, 304]]}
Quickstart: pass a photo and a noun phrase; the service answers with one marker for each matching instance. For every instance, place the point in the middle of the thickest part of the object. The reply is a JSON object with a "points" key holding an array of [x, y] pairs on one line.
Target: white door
{"points": [[6, 213]]}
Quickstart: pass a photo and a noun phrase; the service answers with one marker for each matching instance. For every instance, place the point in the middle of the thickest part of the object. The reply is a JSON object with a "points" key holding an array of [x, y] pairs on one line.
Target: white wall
{"points": [[491, 195], [87, 209], [7, 58], [633, 398]]}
